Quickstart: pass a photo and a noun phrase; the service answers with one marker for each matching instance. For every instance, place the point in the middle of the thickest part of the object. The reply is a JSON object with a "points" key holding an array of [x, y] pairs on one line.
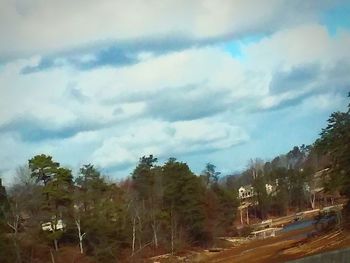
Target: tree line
{"points": [[159, 208], [292, 175]]}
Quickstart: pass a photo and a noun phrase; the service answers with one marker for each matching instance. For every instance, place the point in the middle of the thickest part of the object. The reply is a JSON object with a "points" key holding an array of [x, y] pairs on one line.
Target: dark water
{"points": [[298, 225], [306, 223]]}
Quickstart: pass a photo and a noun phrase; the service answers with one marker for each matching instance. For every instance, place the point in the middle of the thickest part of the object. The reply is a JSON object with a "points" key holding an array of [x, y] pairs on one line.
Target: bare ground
{"points": [[279, 249]]}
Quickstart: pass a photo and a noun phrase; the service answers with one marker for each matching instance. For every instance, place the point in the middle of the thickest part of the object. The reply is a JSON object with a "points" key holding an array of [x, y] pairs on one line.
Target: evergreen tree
{"points": [[184, 198], [42, 168], [335, 141], [7, 249]]}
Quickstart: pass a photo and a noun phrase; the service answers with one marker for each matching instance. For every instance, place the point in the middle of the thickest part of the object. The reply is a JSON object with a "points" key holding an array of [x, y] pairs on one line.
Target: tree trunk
{"points": [[14, 227], [247, 215], [172, 239], [155, 234], [18, 254], [172, 230], [80, 236], [133, 235], [140, 231], [54, 227], [241, 216], [52, 257], [312, 200], [55, 244]]}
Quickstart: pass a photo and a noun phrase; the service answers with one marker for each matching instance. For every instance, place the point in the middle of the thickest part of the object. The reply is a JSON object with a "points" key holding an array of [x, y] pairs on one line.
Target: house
{"points": [[247, 191], [269, 189], [49, 226]]}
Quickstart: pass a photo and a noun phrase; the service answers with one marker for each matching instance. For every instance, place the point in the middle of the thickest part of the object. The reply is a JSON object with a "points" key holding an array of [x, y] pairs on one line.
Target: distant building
{"points": [[269, 189], [50, 226], [247, 191]]}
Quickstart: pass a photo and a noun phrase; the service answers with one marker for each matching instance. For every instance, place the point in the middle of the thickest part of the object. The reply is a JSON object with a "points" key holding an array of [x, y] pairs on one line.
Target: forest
{"points": [[160, 207]]}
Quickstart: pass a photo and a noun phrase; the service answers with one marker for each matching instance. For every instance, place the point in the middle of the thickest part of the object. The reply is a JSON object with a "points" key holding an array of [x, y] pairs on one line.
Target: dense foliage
{"points": [[335, 142], [159, 208]]}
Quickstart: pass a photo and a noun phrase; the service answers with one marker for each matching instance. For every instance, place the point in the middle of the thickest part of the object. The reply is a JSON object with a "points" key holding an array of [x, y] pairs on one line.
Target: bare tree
{"points": [[80, 234]]}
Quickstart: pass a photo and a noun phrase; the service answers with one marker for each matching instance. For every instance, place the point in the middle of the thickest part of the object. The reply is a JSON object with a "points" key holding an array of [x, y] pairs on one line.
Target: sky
{"points": [[106, 82]]}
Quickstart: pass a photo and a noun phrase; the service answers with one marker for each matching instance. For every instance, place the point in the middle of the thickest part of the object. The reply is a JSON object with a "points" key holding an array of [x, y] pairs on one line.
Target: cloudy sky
{"points": [[204, 81]]}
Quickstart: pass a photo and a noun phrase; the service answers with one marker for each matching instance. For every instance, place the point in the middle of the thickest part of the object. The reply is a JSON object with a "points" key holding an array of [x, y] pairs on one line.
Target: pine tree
{"points": [[335, 141]]}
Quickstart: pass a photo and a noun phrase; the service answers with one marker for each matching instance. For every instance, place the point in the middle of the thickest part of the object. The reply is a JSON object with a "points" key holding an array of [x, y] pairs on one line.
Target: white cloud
{"points": [[300, 48], [42, 94], [44, 26], [164, 139], [305, 44], [323, 103], [107, 94], [116, 100]]}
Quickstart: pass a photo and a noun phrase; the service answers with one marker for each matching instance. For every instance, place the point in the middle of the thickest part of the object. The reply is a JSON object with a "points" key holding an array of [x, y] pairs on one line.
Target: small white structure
{"points": [[49, 226], [269, 189], [246, 192], [264, 233]]}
